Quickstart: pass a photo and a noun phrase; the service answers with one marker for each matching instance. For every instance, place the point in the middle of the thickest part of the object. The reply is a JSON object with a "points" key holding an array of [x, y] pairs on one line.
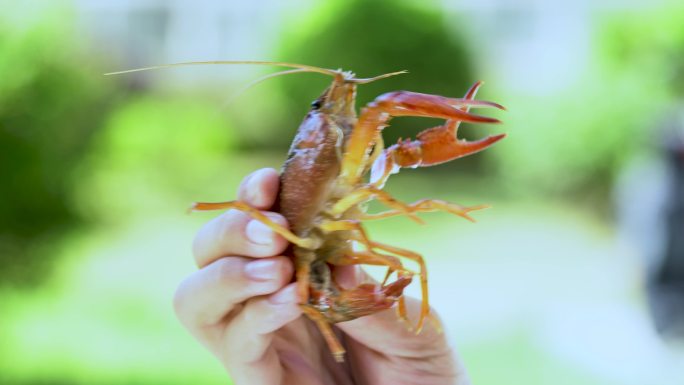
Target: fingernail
{"points": [[261, 270], [254, 178], [259, 233], [286, 295], [254, 193]]}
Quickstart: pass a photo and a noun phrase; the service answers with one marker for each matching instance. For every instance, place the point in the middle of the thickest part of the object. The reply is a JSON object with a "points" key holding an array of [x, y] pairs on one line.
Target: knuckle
{"points": [[217, 237], [266, 317], [230, 224], [269, 318], [223, 235], [251, 314], [228, 270], [257, 313], [286, 268]]}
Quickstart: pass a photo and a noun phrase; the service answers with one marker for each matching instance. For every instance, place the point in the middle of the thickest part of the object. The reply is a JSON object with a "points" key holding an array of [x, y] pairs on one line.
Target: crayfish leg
{"points": [[425, 305], [326, 330], [369, 192], [329, 226], [402, 314], [429, 205], [303, 273], [307, 243], [369, 258]]}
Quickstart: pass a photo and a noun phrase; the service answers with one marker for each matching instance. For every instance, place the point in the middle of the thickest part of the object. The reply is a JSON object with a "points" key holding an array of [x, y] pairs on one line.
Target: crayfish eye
{"points": [[316, 104]]}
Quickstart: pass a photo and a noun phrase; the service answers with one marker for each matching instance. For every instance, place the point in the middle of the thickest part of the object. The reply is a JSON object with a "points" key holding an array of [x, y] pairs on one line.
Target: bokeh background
{"points": [[551, 286]]}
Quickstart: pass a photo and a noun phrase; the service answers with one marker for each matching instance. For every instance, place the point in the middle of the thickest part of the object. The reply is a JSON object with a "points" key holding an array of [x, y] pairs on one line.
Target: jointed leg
{"points": [[366, 193], [307, 243], [302, 274], [425, 306], [393, 265], [346, 225], [368, 257], [373, 259], [401, 312], [428, 205], [401, 307], [327, 332]]}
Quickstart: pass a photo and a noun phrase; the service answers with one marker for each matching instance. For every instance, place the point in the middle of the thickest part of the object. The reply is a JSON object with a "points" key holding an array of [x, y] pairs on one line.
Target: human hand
{"points": [[241, 305]]}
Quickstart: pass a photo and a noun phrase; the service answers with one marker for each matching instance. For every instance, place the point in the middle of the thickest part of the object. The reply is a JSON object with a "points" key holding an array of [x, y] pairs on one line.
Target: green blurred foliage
{"points": [[574, 144], [50, 106], [649, 45], [152, 150], [376, 37]]}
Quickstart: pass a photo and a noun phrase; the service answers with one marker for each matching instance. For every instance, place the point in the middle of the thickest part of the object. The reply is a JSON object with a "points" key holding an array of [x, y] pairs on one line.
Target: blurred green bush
{"points": [[153, 149], [50, 106], [574, 144], [650, 46]]}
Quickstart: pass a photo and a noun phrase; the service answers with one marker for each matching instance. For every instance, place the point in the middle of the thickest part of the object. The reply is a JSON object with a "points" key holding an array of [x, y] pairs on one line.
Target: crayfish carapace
{"points": [[323, 191]]}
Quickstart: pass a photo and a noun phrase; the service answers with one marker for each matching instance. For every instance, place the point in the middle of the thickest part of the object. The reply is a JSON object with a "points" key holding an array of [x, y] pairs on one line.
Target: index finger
{"points": [[235, 233]]}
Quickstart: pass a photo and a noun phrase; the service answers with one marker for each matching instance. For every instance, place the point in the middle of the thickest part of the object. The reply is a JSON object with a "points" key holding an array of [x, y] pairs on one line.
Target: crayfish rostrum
{"points": [[323, 191]]}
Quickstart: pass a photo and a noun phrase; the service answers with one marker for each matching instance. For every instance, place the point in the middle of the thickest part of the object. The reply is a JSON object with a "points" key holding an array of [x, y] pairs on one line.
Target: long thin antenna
{"points": [[253, 62], [259, 80], [383, 76]]}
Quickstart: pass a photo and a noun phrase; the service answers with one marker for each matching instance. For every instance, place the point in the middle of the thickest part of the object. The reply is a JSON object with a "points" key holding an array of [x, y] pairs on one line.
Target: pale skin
{"points": [[241, 306]]}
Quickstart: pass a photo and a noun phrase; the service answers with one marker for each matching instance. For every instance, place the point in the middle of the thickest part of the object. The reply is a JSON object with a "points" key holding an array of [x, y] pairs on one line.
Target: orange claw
{"points": [[435, 145], [377, 114], [368, 298]]}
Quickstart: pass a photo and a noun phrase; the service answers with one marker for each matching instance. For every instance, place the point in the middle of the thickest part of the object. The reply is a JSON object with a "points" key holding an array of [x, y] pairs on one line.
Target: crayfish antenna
{"points": [[260, 80], [298, 68], [303, 67], [383, 76]]}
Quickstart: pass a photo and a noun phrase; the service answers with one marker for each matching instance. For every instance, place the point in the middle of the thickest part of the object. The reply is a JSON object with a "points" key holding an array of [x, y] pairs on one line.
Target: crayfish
{"points": [[323, 192]]}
